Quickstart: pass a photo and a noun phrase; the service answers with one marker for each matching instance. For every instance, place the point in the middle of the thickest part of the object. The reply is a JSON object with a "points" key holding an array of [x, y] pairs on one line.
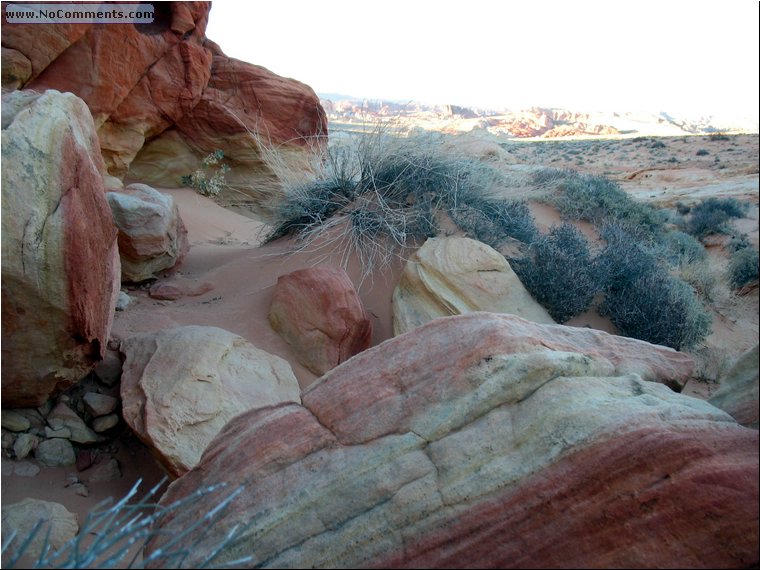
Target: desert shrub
{"points": [[712, 216], [558, 272], [681, 247], [597, 199], [706, 280], [718, 137], [702, 152], [209, 179], [111, 531], [626, 257], [658, 308], [743, 267], [738, 242], [641, 298], [493, 221], [657, 144], [381, 194]]}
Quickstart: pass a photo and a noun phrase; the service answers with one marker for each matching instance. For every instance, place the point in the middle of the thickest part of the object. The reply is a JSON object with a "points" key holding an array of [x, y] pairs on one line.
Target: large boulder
{"points": [[60, 260], [244, 111], [180, 386], [461, 445], [738, 392], [456, 275], [164, 97], [318, 312], [152, 236]]}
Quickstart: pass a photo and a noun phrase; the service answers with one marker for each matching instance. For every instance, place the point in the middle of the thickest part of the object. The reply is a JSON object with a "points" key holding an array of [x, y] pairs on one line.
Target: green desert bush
{"points": [[493, 221], [658, 308], [383, 193], [681, 247], [641, 297], [597, 199], [113, 533], [712, 216], [558, 272], [743, 267]]}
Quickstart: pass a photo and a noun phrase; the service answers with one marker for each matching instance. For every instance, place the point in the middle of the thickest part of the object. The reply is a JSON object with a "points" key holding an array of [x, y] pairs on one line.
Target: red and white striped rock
{"points": [[60, 261], [465, 444], [318, 312]]}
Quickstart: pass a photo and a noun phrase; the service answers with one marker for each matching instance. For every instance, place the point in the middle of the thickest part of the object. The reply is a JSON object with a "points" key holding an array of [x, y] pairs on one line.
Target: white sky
{"points": [[683, 57]]}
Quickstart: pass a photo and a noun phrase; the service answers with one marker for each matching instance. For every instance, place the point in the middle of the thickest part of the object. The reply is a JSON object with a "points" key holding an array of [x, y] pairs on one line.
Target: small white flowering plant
{"points": [[209, 179]]}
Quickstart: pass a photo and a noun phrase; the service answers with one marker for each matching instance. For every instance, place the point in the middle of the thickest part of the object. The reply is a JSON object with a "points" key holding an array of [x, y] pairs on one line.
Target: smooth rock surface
{"points": [[180, 386], [456, 275], [60, 262], [318, 311], [458, 446]]}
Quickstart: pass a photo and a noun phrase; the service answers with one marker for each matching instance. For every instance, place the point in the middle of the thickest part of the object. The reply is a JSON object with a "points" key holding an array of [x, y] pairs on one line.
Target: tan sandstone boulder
{"points": [[60, 261], [456, 275], [318, 312], [738, 392], [465, 444], [180, 386], [21, 517], [152, 236]]}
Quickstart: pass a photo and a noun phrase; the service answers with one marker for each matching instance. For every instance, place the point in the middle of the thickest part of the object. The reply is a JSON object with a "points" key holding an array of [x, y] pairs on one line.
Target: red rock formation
{"points": [[60, 260], [467, 443], [318, 312], [144, 80]]}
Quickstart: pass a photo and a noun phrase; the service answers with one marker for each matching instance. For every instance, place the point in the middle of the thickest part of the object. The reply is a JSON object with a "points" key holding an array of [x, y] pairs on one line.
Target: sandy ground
{"points": [[229, 276]]}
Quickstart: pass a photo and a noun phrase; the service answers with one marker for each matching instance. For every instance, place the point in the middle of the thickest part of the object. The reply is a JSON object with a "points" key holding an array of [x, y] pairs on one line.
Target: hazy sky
{"points": [[682, 57]]}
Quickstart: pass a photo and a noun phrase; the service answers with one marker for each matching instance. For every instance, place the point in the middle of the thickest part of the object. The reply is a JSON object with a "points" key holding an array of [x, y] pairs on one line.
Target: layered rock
{"points": [[180, 386], [172, 88], [60, 262], [463, 444], [152, 236], [318, 312], [738, 392], [456, 275]]}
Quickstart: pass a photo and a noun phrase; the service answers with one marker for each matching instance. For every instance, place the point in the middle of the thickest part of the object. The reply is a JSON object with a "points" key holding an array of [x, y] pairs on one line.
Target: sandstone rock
{"points": [[152, 236], [63, 417], [180, 386], [16, 69], [108, 370], [104, 423], [60, 265], [463, 445], [25, 443], [738, 392], [241, 103], [57, 432], [456, 275], [171, 84], [318, 312], [60, 524], [99, 404], [55, 453], [14, 421]]}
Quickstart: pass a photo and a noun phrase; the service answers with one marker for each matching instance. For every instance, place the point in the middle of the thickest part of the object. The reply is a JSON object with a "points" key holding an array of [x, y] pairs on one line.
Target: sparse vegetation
{"points": [[712, 216], [112, 533], [597, 199], [743, 267], [558, 272], [209, 179], [642, 299], [702, 152], [385, 194]]}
